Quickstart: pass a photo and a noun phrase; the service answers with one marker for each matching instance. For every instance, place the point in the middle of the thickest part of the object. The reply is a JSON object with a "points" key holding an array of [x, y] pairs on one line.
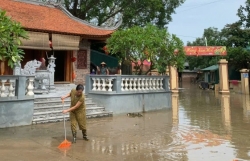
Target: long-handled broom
{"points": [[65, 143]]}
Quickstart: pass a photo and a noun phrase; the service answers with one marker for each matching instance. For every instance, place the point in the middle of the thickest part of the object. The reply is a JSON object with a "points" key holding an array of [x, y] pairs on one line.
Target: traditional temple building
{"points": [[51, 25]]}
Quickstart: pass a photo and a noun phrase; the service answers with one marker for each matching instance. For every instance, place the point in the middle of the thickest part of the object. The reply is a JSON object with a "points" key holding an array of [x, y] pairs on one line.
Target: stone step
{"points": [[48, 106], [88, 110], [49, 109], [38, 104], [60, 118], [56, 99]]}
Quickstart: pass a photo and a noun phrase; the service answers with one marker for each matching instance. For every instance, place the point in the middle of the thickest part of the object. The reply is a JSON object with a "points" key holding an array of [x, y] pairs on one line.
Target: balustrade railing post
{"points": [[20, 87], [165, 83], [88, 84], [118, 84]]}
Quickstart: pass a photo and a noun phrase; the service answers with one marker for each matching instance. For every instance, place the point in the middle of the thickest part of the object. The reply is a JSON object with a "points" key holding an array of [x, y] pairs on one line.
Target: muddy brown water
{"points": [[201, 126]]}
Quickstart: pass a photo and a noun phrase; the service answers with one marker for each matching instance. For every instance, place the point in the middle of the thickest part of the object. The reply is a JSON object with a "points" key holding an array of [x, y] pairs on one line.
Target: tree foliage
{"points": [[10, 34], [137, 44], [134, 12], [234, 36], [244, 14]]}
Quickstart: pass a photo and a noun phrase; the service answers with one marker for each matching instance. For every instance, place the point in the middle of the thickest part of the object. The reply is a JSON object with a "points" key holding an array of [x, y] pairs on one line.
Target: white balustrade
{"points": [[110, 85], [135, 88], [103, 85], [153, 84], [30, 87], [142, 84], [9, 84], [157, 83], [150, 84], [3, 92], [123, 84], [11, 88], [146, 84], [129, 83], [126, 84], [94, 84], [139, 84], [98, 84], [161, 84], [130, 80]]}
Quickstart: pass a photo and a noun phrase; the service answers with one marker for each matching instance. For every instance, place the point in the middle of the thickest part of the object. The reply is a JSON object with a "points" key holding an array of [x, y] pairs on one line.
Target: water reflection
{"points": [[246, 107], [226, 112], [175, 108], [201, 125]]}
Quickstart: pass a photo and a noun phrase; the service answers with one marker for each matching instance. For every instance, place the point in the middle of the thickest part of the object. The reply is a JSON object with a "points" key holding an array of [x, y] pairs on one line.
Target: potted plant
{"points": [[11, 33]]}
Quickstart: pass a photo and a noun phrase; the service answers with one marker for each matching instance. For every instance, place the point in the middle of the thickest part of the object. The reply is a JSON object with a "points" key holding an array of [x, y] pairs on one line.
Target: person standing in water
{"points": [[77, 111]]}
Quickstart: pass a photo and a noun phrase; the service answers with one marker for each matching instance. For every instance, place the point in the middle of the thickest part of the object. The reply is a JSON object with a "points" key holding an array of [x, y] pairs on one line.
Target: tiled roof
{"points": [[49, 19]]}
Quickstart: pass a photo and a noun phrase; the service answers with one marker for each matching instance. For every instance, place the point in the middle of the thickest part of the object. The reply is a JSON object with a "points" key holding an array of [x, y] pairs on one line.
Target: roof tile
{"points": [[44, 18]]}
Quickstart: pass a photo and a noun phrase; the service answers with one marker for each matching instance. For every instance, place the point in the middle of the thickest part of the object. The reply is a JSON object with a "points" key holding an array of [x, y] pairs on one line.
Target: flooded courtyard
{"points": [[201, 126]]}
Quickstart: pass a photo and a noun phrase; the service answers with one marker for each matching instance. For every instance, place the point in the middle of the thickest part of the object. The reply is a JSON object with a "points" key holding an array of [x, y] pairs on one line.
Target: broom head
{"points": [[65, 144]]}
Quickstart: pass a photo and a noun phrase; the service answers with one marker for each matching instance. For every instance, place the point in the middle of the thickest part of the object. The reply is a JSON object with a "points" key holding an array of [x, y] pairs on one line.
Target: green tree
{"points": [[235, 35], [238, 57], [138, 44], [244, 14], [10, 34], [134, 12]]}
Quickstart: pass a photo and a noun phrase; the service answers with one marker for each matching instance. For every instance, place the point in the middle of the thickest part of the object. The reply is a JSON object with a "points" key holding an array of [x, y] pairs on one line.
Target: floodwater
{"points": [[201, 126]]}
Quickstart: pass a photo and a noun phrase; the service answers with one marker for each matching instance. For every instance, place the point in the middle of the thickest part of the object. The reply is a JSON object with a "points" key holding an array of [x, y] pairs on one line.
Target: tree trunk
{"points": [[2, 66], [126, 69]]}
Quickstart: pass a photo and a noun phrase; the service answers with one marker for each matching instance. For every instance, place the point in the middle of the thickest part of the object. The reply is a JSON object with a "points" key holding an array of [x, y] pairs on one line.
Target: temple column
{"points": [[244, 81], [173, 79], [223, 70]]}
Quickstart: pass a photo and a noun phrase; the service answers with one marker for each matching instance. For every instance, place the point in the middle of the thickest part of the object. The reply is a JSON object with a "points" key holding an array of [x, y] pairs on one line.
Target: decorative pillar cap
{"points": [[52, 57], [222, 61], [244, 70]]}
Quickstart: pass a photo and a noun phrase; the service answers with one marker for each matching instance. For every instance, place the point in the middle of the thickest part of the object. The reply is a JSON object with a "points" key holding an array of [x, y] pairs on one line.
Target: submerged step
{"points": [[60, 118], [60, 111], [60, 105], [41, 101]]}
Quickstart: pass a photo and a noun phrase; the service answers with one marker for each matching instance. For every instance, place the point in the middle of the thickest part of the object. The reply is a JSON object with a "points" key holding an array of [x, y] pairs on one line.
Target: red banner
{"points": [[205, 50]]}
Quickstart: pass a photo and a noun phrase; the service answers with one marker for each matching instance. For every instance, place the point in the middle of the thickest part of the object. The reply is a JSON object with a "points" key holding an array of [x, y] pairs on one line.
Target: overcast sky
{"points": [[194, 16]]}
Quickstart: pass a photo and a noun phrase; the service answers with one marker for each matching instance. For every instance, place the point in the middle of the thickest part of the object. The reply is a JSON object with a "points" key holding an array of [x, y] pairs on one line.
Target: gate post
{"points": [[173, 79], [223, 71], [244, 81]]}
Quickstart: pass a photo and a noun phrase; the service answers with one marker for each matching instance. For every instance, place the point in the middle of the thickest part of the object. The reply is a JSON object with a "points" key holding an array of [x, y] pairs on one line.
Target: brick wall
{"points": [[81, 73]]}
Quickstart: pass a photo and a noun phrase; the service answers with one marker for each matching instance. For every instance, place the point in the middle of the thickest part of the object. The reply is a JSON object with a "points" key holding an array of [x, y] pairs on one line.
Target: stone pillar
{"points": [[173, 79], [226, 112], [246, 105], [51, 68], [175, 108], [244, 81], [223, 70]]}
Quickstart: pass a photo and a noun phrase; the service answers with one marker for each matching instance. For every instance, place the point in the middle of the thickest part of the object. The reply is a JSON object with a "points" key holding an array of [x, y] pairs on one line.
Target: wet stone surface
{"points": [[201, 126]]}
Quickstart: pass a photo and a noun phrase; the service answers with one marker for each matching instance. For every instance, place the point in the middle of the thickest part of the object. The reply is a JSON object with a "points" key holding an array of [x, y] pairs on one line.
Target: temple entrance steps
{"points": [[50, 110]]}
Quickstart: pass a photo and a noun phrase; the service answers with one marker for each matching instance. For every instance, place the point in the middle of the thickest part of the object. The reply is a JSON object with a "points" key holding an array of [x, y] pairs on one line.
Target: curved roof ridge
{"points": [[62, 8]]}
